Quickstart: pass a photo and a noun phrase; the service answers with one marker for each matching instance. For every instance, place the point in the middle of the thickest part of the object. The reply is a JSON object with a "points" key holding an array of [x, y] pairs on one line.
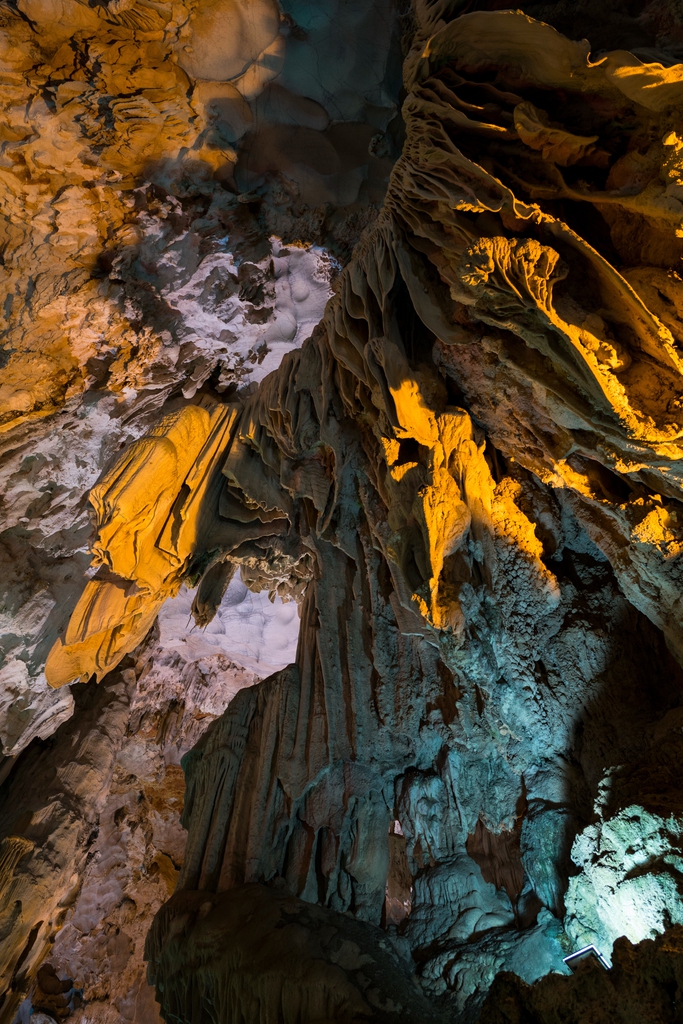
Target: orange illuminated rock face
{"points": [[479, 444], [468, 476], [134, 272], [100, 100], [509, 290], [145, 540]]}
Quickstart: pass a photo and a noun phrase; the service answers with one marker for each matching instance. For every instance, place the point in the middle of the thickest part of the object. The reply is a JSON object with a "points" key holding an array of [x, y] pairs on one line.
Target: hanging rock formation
{"points": [[489, 604], [137, 272], [135, 268], [469, 478]]}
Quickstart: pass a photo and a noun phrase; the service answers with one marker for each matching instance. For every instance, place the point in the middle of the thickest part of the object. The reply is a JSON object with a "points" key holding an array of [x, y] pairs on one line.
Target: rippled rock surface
{"points": [[466, 476]]}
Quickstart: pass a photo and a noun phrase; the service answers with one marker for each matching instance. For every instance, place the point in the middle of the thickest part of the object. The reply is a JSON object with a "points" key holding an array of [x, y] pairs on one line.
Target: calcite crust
{"points": [[468, 476]]}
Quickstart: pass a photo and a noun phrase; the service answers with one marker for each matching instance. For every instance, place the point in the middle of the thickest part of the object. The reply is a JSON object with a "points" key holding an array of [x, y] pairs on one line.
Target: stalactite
{"points": [[469, 478]]}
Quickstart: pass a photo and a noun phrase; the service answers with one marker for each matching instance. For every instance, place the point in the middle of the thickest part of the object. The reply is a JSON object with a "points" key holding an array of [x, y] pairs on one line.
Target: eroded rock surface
{"points": [[139, 845], [140, 203], [467, 477], [255, 951], [58, 792], [481, 598], [97, 809], [171, 222], [643, 984]]}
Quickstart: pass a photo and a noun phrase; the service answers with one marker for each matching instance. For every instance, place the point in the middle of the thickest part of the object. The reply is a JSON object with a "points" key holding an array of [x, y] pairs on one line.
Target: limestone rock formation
{"points": [[48, 822], [467, 477], [93, 842], [643, 984], [455, 704], [138, 847], [133, 270], [255, 952]]}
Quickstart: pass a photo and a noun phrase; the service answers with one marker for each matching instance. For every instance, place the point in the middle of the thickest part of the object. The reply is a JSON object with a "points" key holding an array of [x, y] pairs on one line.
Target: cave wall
{"points": [[484, 597], [145, 220], [136, 270], [467, 477]]}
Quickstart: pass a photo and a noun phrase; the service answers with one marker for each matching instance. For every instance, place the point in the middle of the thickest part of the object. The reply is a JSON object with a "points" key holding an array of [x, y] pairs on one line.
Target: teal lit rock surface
{"points": [[374, 311], [630, 881], [644, 984]]}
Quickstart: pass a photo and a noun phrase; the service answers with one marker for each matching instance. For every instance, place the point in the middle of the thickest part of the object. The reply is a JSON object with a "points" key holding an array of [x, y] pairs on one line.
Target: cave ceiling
{"points": [[341, 468]]}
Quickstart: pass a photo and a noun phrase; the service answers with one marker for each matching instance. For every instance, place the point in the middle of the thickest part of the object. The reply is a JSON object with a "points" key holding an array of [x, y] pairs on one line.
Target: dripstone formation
{"points": [[470, 479]]}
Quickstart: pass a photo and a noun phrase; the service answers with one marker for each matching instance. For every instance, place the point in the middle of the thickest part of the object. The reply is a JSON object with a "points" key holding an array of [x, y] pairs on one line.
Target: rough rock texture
{"points": [[631, 857], [135, 856], [486, 603], [254, 953], [97, 807], [468, 477], [644, 984], [57, 793], [49, 466], [163, 231], [140, 197]]}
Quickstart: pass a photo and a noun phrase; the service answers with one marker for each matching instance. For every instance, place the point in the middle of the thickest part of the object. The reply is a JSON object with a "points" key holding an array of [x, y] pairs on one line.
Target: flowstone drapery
{"points": [[470, 478]]}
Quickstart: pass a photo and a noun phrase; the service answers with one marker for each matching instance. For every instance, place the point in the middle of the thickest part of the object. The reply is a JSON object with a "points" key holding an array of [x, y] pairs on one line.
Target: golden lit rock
{"points": [[465, 470]]}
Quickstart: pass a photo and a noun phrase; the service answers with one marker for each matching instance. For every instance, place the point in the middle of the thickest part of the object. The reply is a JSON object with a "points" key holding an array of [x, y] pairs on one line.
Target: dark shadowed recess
{"points": [[652, 29]]}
